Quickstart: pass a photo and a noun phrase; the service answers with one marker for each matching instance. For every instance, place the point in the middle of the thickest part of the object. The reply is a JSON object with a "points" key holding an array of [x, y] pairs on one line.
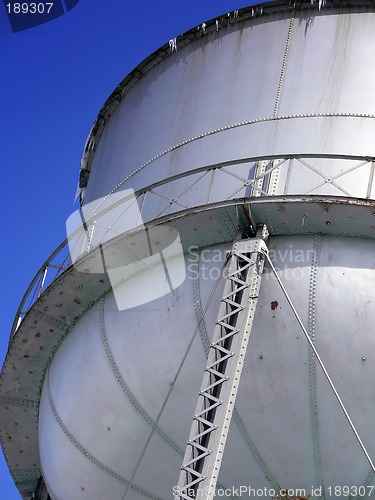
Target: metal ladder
{"points": [[211, 421]]}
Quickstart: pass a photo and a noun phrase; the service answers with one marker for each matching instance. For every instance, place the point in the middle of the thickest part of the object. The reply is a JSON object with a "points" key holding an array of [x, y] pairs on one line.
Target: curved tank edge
{"points": [[166, 50], [85, 282], [151, 61]]}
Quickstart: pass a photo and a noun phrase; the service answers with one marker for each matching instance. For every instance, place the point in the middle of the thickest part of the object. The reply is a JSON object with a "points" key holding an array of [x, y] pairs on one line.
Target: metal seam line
{"points": [[320, 362], [312, 365], [61, 325], [228, 223], [369, 479], [173, 383], [86, 453], [230, 163], [133, 78], [49, 489], [230, 127], [254, 451], [198, 304], [283, 67], [271, 220], [125, 388], [274, 177], [271, 190], [225, 165], [30, 472], [29, 403], [231, 335], [236, 417], [22, 309], [199, 313]]}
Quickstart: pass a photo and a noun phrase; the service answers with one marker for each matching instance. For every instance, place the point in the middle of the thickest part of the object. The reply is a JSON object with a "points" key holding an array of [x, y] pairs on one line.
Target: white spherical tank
{"points": [[262, 117], [109, 379]]}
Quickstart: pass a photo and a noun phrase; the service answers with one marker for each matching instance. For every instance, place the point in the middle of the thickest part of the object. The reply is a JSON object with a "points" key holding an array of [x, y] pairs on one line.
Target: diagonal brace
{"points": [[216, 399]]}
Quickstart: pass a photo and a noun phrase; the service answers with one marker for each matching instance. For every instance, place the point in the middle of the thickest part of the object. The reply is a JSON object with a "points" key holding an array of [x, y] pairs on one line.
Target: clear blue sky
{"points": [[54, 79]]}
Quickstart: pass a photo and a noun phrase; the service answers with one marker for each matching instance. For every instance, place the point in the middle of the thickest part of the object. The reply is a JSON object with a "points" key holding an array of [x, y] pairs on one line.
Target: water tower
{"points": [[247, 142]]}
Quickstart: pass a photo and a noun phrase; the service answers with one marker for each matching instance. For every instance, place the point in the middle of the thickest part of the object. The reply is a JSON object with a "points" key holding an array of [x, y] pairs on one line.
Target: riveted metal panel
{"points": [[272, 436], [268, 120], [291, 83]]}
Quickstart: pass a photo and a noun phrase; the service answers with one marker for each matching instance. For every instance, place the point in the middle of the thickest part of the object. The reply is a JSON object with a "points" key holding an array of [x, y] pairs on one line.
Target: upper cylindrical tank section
{"points": [[271, 100]]}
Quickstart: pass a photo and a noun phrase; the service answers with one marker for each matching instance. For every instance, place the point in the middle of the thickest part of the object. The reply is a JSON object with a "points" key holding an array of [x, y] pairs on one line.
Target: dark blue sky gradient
{"points": [[54, 79]]}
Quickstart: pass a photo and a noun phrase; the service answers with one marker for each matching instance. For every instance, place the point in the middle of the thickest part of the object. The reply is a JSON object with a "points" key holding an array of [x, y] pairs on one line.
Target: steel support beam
{"points": [[41, 492], [211, 421]]}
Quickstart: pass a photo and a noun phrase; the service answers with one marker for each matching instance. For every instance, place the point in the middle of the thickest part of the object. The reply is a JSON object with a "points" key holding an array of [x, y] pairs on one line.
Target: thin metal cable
{"points": [[320, 362], [175, 378]]}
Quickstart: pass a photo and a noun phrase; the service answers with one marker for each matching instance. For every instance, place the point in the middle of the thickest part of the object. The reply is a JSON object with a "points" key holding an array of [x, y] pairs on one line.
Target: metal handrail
{"points": [[22, 310], [30, 288]]}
